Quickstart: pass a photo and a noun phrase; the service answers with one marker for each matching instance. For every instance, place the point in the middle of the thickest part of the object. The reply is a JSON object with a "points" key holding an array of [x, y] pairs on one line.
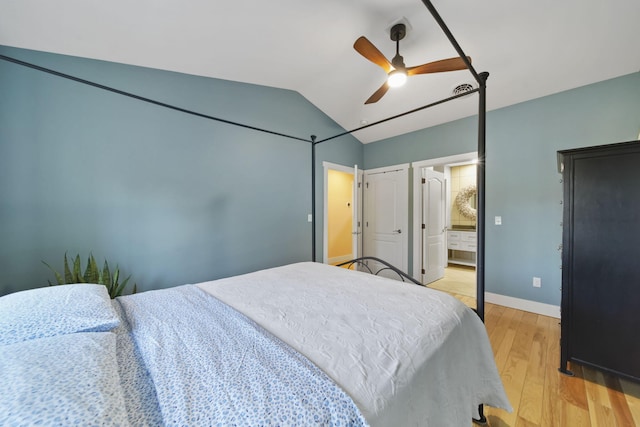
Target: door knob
{"points": [[398, 231]]}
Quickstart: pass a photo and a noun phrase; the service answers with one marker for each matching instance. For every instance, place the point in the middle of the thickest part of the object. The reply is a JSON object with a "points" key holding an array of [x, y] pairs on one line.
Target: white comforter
{"points": [[407, 355]]}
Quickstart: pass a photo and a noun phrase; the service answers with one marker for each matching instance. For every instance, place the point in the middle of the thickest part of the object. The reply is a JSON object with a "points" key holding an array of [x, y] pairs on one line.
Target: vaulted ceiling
{"points": [[531, 49]]}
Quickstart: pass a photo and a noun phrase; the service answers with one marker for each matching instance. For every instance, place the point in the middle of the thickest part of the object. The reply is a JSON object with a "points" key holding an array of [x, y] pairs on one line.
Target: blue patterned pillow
{"points": [[65, 380], [55, 310]]}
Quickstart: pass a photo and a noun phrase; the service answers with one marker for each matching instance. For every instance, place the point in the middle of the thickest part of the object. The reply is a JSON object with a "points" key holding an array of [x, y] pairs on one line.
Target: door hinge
{"points": [[424, 271], [424, 181], [424, 226]]}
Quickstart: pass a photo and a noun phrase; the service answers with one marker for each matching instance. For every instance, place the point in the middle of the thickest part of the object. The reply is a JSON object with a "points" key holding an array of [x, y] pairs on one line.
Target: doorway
{"points": [[379, 229], [428, 257], [342, 225]]}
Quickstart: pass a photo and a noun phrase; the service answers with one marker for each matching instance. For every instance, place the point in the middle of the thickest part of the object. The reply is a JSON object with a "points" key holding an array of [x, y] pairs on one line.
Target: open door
{"points": [[433, 226]]}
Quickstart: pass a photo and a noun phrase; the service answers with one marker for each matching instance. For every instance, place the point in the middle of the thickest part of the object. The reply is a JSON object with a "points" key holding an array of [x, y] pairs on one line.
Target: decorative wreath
{"points": [[462, 202]]}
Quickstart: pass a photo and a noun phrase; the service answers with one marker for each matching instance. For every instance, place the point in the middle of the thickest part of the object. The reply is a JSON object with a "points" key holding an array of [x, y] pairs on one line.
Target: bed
{"points": [[301, 344]]}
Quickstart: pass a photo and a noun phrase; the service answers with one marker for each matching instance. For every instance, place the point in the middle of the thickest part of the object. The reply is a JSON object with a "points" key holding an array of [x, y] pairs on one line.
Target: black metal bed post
{"points": [[313, 197], [481, 179], [480, 217], [480, 209], [480, 221], [482, 109]]}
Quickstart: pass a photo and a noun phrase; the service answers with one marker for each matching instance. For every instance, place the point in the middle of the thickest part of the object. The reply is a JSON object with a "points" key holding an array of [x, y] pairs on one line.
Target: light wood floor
{"points": [[526, 347], [458, 279]]}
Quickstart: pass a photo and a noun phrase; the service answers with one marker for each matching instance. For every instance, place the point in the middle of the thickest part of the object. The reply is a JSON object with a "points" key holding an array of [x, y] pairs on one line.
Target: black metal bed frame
{"points": [[480, 78], [361, 262]]}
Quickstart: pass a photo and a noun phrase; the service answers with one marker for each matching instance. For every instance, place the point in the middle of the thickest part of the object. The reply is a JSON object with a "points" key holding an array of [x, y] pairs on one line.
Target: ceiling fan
{"points": [[396, 70]]}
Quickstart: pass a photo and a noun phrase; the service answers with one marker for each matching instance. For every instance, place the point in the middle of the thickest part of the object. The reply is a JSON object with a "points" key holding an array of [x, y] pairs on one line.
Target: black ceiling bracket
{"points": [[398, 32]]}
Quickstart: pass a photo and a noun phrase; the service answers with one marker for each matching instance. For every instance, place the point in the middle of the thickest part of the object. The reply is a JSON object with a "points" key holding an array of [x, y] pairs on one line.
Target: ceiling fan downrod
{"points": [[397, 33]]}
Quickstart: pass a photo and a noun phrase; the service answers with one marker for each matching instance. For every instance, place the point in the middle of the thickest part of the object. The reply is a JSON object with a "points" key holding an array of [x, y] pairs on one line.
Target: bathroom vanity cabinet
{"points": [[600, 265], [461, 247]]}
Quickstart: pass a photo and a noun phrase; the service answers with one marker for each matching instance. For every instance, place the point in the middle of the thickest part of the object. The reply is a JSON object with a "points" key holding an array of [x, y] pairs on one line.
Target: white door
{"points": [[433, 226], [386, 217]]}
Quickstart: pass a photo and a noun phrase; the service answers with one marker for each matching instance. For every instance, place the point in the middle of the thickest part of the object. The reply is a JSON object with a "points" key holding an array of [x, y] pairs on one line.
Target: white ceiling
{"points": [[531, 49]]}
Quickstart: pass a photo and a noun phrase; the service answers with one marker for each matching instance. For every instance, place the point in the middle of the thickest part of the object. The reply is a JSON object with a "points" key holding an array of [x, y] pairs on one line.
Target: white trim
{"points": [[448, 160], [335, 166], [523, 304], [417, 201]]}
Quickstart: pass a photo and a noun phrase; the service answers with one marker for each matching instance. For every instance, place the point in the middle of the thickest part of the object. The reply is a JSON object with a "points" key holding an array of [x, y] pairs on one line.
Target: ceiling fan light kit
{"points": [[397, 78], [397, 71]]}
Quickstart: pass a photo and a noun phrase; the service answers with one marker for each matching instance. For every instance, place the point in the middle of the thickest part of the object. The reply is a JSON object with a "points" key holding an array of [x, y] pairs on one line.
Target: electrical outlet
{"points": [[498, 220], [537, 282]]}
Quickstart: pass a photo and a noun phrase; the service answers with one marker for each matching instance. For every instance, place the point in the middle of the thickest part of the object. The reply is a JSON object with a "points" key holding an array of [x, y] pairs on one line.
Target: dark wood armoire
{"points": [[601, 258]]}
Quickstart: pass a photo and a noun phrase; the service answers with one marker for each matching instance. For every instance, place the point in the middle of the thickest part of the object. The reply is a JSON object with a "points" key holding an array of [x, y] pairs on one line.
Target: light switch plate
{"points": [[498, 220]]}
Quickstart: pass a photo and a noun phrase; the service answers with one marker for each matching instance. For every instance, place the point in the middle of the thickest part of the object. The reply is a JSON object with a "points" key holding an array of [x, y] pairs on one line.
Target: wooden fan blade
{"points": [[451, 64], [369, 51], [378, 94]]}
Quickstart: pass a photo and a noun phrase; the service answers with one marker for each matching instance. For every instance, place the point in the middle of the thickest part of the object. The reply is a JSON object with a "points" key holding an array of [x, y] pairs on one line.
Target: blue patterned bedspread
{"points": [[212, 366]]}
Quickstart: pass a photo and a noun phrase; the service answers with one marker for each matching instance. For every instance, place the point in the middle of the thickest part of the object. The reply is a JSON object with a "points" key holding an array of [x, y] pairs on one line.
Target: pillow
{"points": [[55, 310], [65, 380]]}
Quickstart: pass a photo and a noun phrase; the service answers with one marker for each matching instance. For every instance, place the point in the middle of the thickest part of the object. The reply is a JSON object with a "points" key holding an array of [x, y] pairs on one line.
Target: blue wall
{"points": [[523, 184], [171, 198]]}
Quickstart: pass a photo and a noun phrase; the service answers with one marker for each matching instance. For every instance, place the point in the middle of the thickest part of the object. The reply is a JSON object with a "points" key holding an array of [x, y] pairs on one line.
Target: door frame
{"points": [[416, 171], [325, 214]]}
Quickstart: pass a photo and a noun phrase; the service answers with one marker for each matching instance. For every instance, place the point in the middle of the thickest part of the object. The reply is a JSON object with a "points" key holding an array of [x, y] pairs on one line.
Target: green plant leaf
{"points": [[56, 274], [68, 276], [77, 270], [115, 277], [106, 275], [118, 290], [92, 273]]}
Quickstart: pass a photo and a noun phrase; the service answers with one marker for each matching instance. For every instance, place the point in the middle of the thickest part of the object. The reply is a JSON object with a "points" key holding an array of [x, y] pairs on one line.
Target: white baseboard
{"points": [[523, 304], [339, 259]]}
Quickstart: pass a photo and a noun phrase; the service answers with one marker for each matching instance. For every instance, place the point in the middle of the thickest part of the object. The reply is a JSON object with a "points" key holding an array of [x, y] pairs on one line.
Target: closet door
{"points": [[601, 258]]}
